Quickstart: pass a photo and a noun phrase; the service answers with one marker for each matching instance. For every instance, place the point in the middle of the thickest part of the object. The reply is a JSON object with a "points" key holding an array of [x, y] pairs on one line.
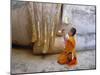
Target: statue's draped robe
{"points": [[46, 18]]}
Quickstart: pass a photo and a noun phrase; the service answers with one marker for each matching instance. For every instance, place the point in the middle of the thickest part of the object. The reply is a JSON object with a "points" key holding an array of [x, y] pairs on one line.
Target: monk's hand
{"points": [[65, 51]]}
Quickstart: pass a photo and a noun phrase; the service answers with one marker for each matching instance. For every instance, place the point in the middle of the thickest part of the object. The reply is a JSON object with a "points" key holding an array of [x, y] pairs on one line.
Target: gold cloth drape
{"points": [[45, 21]]}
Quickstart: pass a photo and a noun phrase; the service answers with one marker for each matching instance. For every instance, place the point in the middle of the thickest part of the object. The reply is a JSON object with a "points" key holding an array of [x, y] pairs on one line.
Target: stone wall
{"points": [[83, 19]]}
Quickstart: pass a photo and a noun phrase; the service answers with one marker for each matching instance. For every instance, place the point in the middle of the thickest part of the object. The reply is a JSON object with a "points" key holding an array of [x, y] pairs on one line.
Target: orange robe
{"points": [[68, 56]]}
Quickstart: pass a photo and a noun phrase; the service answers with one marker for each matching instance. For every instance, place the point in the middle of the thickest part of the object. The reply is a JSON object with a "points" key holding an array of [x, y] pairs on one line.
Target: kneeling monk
{"points": [[68, 56]]}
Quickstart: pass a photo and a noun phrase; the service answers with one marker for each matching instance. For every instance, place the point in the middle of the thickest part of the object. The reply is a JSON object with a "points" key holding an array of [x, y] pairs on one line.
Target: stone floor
{"points": [[23, 61]]}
